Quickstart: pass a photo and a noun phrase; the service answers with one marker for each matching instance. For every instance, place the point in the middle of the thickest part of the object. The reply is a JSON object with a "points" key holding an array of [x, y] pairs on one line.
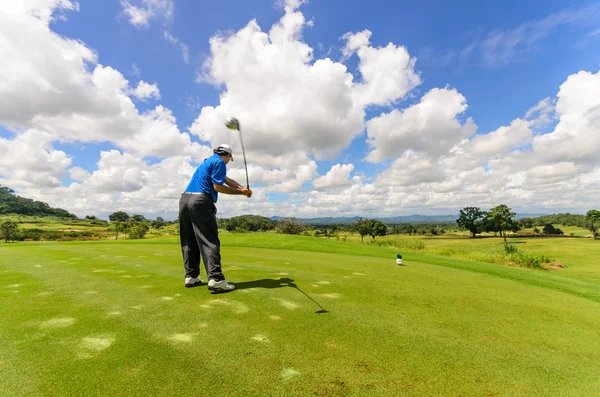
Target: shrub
{"points": [[549, 229], [138, 231], [291, 226], [410, 244], [510, 248], [531, 261]]}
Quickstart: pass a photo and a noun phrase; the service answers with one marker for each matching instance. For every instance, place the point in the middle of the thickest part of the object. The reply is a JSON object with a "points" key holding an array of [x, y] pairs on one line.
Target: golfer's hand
{"points": [[246, 192]]}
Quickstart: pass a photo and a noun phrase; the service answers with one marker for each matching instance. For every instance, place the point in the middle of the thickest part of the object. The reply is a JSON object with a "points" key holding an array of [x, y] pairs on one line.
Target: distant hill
{"points": [[390, 220], [13, 204]]}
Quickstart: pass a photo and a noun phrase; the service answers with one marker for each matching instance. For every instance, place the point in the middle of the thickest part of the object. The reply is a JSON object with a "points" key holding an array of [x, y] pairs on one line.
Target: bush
{"points": [[410, 244], [138, 231], [549, 229], [510, 248], [531, 261], [291, 226]]}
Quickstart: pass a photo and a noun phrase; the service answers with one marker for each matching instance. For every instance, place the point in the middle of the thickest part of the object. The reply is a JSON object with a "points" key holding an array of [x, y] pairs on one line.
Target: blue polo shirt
{"points": [[212, 170]]}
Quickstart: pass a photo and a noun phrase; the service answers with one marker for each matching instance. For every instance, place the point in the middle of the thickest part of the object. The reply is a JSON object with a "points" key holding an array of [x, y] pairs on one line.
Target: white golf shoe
{"points": [[192, 282], [220, 286]]}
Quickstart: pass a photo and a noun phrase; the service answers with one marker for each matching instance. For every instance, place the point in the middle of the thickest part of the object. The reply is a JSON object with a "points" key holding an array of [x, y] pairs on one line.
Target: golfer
{"points": [[198, 230]]}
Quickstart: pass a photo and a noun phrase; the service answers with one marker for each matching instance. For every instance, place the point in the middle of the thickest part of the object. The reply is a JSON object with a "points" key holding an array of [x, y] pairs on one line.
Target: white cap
{"points": [[224, 148]]}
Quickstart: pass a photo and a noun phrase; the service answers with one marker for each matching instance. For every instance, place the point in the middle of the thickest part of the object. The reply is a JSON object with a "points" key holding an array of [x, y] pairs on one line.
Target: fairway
{"points": [[113, 318]]}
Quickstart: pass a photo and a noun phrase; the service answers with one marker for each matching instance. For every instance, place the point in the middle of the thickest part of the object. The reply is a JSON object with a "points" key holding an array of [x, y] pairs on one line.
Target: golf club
{"points": [[234, 124], [292, 284]]}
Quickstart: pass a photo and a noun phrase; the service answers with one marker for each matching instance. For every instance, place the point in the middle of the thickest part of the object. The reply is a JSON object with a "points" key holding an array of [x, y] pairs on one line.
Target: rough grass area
{"points": [[112, 318]]}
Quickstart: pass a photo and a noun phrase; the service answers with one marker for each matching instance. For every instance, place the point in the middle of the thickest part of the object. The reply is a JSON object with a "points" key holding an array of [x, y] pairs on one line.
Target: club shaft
{"points": [[244, 154]]}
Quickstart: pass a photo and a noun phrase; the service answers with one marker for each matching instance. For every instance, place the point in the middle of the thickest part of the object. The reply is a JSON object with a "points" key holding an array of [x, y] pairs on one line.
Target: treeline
{"points": [[247, 223], [556, 219], [10, 203], [135, 226]]}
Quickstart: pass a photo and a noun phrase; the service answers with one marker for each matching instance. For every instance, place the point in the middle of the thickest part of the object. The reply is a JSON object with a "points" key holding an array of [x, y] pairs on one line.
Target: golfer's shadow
{"points": [[266, 283], [279, 283]]}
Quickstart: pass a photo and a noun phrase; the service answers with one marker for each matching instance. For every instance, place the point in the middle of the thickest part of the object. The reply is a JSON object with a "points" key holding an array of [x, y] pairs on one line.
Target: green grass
{"points": [[112, 318]]}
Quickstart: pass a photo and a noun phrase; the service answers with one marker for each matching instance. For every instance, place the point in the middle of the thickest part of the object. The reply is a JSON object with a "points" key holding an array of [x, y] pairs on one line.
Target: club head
{"points": [[322, 311], [232, 123]]}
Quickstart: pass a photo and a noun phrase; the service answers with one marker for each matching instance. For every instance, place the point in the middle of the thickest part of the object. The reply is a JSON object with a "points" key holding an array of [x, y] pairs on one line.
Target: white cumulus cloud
{"points": [[338, 176]]}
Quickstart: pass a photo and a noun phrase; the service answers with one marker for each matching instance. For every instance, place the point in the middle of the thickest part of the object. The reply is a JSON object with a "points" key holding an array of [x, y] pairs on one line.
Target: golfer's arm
{"points": [[231, 183], [226, 189]]}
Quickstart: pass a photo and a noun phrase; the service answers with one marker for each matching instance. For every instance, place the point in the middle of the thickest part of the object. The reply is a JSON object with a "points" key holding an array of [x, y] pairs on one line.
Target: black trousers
{"points": [[199, 236]]}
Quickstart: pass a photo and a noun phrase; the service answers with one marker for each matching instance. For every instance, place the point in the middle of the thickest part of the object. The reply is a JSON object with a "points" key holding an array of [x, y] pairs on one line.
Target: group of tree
{"points": [[593, 222], [10, 203], [499, 220], [291, 226], [9, 230], [565, 219], [247, 223], [136, 226], [369, 227], [434, 229]]}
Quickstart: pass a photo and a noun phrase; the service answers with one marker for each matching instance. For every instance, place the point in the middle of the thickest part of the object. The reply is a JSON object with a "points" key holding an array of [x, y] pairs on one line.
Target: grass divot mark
{"points": [[333, 345], [92, 346], [287, 304], [181, 337], [289, 373], [58, 323], [260, 338], [359, 274], [333, 295], [274, 318], [323, 282], [236, 307], [167, 298]]}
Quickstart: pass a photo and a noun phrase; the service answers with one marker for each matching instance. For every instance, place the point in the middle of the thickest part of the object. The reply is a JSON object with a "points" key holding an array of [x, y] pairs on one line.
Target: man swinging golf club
{"points": [[198, 229]]}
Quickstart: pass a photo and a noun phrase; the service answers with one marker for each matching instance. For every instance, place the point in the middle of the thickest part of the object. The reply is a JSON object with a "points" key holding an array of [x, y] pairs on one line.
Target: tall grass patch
{"points": [[411, 244]]}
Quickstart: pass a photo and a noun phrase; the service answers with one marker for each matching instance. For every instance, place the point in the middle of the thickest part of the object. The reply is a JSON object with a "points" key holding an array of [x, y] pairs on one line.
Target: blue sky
{"points": [[503, 58]]}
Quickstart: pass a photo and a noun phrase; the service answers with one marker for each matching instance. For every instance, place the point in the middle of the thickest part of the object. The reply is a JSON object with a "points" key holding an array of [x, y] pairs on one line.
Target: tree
{"points": [[550, 229], [291, 226], [119, 227], [9, 230], [501, 219], [593, 222], [410, 229], [377, 228], [118, 216], [138, 230], [526, 222], [138, 218], [362, 227], [471, 218], [158, 223]]}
